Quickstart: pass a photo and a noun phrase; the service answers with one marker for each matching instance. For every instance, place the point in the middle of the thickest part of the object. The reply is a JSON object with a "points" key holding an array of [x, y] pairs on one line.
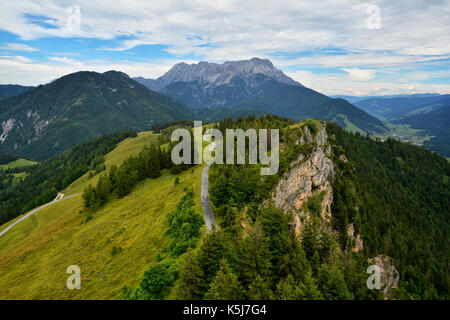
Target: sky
{"points": [[344, 47]]}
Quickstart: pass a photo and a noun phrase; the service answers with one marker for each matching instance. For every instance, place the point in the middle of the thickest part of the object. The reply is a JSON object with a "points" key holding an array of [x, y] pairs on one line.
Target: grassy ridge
{"points": [[18, 163], [34, 254]]}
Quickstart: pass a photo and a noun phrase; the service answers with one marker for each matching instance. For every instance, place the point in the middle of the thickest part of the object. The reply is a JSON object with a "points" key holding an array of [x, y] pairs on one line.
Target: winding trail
{"points": [[58, 198], [206, 205]]}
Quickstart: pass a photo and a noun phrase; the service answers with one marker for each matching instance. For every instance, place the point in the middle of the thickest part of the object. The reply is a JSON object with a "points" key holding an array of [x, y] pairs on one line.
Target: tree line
{"points": [[120, 180]]}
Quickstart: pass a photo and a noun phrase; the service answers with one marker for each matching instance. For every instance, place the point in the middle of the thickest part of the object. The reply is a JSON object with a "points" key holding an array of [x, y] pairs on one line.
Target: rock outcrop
{"points": [[356, 242], [389, 275], [310, 175]]}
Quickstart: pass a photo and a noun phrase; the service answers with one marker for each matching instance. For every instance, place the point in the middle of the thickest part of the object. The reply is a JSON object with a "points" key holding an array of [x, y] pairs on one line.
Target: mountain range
{"points": [[40, 122], [354, 99], [257, 85], [51, 118], [402, 106]]}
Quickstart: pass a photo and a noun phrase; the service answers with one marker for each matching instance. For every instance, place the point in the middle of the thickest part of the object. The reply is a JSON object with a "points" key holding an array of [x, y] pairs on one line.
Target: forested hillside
{"points": [[394, 195], [8, 90], [46, 120], [398, 196]]}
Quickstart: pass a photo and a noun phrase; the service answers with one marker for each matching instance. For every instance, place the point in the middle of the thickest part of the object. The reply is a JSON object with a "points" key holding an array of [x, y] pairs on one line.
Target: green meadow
{"points": [[35, 254]]}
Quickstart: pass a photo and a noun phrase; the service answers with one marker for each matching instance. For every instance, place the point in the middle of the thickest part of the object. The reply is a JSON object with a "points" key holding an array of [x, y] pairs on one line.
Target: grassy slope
{"points": [[34, 254], [18, 163]]}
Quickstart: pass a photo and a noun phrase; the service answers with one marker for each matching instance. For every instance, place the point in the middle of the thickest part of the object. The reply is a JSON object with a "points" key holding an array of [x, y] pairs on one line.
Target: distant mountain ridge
{"points": [[353, 99], [51, 118], [256, 84], [399, 107], [9, 90]]}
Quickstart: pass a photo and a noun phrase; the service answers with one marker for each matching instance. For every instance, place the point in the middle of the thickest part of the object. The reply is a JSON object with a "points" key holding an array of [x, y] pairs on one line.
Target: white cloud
{"points": [[243, 28], [66, 60], [21, 70], [413, 33], [17, 58], [24, 71], [17, 47], [360, 74], [332, 84], [372, 59]]}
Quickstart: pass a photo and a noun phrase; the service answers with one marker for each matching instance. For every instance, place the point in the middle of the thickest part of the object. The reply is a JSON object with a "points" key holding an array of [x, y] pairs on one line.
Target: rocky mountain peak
{"points": [[217, 74]]}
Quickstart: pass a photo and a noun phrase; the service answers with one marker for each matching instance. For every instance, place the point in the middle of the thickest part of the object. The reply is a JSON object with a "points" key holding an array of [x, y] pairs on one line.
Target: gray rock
{"points": [[215, 74]]}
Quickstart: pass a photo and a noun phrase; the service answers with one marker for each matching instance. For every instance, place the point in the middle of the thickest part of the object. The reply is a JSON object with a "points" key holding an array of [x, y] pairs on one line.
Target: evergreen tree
{"points": [[87, 194], [190, 284], [254, 257], [259, 289], [310, 288], [225, 285], [288, 289], [332, 284]]}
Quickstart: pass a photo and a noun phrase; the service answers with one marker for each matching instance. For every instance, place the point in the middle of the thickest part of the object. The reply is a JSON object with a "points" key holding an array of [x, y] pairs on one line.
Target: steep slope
{"points": [[393, 192], [8, 90], [48, 119], [257, 84]]}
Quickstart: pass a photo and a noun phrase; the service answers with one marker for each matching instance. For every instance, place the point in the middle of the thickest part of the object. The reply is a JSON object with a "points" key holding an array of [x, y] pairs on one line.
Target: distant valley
{"points": [[421, 119]]}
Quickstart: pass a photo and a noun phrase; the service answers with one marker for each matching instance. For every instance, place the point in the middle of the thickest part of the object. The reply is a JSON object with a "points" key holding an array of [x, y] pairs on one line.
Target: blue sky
{"points": [[335, 47]]}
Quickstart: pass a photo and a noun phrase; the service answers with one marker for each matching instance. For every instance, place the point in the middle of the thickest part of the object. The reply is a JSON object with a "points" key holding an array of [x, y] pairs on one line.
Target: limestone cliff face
{"points": [[355, 241], [310, 175]]}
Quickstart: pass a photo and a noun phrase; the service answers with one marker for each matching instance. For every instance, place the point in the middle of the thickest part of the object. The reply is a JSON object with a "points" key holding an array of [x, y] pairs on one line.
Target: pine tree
{"points": [[87, 194], [190, 284], [332, 284], [309, 288], [259, 289], [225, 285], [254, 257], [288, 289]]}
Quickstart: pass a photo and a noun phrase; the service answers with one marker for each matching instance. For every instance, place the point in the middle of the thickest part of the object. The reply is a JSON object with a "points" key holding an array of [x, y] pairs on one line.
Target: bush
{"points": [[115, 250]]}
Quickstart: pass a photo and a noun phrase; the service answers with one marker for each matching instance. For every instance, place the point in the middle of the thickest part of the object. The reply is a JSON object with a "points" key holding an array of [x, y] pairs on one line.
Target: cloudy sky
{"points": [[335, 47]]}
